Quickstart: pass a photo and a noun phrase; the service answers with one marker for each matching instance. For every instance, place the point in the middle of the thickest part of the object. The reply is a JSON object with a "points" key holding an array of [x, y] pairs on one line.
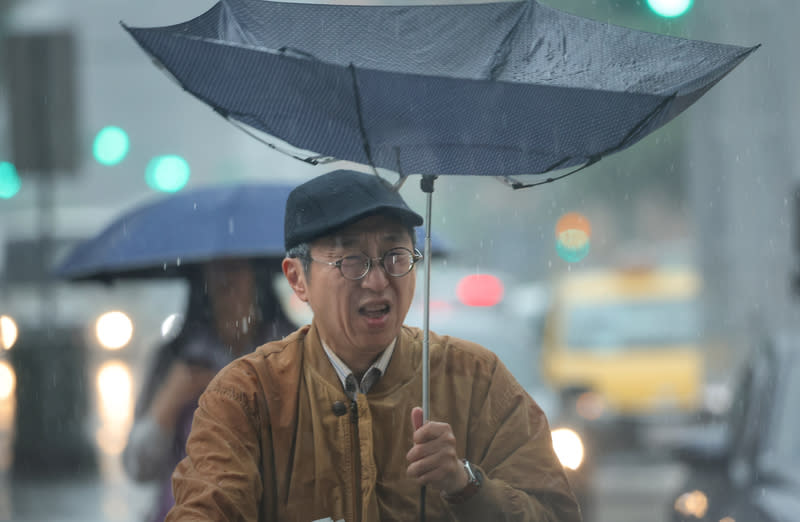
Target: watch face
{"points": [[472, 475]]}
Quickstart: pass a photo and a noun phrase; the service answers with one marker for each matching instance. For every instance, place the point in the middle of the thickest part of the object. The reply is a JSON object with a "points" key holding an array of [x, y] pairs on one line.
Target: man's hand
{"points": [[433, 460]]}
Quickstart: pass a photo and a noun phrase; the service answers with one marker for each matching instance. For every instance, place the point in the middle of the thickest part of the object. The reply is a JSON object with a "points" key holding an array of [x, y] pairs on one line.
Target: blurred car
{"points": [[497, 312], [748, 468], [622, 346]]}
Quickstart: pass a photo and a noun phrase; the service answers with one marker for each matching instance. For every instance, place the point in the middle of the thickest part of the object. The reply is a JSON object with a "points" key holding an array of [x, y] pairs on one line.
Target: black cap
{"points": [[339, 198]]}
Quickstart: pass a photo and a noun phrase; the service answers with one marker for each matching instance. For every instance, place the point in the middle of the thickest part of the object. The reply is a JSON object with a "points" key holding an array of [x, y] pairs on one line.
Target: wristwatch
{"points": [[472, 487]]}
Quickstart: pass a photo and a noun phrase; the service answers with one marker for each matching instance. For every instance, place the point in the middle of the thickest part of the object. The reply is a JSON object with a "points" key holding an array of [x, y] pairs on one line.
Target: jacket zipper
{"points": [[356, 448]]}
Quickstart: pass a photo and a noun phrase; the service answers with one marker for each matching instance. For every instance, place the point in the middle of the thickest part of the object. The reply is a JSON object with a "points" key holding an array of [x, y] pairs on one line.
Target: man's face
{"points": [[362, 316]]}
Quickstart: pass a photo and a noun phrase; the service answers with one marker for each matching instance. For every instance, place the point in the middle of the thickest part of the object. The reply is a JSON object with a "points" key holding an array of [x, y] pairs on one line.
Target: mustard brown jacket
{"points": [[267, 444]]}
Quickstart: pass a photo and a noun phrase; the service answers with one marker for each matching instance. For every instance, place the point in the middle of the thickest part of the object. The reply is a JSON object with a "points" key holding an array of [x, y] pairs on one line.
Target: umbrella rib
{"points": [[361, 129], [313, 160], [624, 142], [514, 184]]}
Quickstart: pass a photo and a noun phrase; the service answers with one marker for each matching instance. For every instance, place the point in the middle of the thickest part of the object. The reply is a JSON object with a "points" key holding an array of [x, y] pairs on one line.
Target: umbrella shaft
{"points": [[428, 188]]}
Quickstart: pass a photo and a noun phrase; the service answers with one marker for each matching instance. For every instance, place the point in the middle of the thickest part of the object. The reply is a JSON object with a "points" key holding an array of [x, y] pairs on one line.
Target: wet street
{"points": [[635, 489]]}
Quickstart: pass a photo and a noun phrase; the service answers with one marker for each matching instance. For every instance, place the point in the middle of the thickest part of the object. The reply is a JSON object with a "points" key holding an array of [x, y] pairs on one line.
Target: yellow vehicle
{"points": [[625, 343]]}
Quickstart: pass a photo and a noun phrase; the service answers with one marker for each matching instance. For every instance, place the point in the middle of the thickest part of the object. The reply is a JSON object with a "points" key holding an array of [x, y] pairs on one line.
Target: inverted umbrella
{"points": [[500, 89]]}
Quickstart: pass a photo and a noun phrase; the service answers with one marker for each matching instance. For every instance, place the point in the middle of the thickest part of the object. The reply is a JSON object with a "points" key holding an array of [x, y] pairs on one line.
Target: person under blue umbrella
{"points": [[232, 308]]}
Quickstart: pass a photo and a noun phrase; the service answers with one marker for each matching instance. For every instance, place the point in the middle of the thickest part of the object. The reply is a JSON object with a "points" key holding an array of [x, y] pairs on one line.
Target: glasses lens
{"points": [[398, 261], [354, 267]]}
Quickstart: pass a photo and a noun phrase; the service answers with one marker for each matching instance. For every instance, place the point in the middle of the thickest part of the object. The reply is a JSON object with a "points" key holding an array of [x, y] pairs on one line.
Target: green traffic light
{"points": [[9, 180], [670, 8], [110, 145], [168, 173]]}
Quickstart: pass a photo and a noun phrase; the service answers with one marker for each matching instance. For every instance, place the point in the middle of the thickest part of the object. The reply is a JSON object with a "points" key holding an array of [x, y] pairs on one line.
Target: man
{"points": [[325, 424]]}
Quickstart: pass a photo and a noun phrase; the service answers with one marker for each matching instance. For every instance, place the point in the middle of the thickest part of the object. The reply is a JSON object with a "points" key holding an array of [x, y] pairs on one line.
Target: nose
{"points": [[376, 278]]}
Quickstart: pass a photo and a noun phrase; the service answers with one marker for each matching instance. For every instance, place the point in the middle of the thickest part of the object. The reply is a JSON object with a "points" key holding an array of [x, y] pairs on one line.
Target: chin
{"points": [[378, 342]]}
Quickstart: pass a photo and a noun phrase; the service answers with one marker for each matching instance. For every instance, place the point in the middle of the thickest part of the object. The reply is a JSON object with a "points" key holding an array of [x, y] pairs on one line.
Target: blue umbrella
{"points": [[163, 237]]}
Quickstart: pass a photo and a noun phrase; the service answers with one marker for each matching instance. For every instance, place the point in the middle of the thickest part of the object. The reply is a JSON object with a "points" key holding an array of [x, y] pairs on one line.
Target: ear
{"points": [[296, 276]]}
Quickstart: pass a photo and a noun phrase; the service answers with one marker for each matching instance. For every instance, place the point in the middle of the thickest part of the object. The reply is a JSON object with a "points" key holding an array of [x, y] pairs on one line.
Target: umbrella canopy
{"points": [[501, 88], [161, 238]]}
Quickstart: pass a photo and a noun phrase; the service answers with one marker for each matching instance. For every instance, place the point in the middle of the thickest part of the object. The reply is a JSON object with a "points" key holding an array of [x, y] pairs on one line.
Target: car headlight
{"points": [[115, 405], [692, 504], [114, 330], [8, 381], [8, 332], [568, 447]]}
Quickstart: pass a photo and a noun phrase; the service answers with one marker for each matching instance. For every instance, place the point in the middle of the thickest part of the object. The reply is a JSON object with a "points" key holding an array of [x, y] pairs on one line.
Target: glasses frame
{"points": [[416, 257]]}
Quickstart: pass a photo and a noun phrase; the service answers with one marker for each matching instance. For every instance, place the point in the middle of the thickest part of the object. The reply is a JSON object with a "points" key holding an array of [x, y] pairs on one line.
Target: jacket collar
{"points": [[402, 368]]}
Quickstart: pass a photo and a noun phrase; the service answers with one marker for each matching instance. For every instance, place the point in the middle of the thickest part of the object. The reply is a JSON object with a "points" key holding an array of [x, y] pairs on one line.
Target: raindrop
{"points": [[178, 262]]}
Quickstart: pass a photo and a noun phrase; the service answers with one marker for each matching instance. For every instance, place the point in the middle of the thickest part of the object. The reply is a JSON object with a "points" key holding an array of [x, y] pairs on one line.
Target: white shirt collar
{"points": [[343, 371]]}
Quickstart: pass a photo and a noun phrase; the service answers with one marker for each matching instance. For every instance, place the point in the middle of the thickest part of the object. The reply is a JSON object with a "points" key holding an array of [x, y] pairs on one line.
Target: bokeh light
{"points": [[9, 180], [8, 332], [168, 173], [590, 405], [480, 290], [692, 504], [573, 237], [8, 381], [110, 145], [115, 404], [568, 447], [114, 330], [670, 8], [171, 324]]}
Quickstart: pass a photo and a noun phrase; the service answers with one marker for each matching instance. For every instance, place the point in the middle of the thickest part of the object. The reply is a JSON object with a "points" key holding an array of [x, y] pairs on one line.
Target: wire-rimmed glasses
{"points": [[397, 262]]}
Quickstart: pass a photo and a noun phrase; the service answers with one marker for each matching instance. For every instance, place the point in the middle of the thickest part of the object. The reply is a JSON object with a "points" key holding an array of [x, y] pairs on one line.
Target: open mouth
{"points": [[374, 311]]}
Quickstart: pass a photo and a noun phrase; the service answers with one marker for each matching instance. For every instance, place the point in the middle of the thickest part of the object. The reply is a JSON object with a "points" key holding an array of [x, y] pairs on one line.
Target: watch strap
{"points": [[472, 487]]}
